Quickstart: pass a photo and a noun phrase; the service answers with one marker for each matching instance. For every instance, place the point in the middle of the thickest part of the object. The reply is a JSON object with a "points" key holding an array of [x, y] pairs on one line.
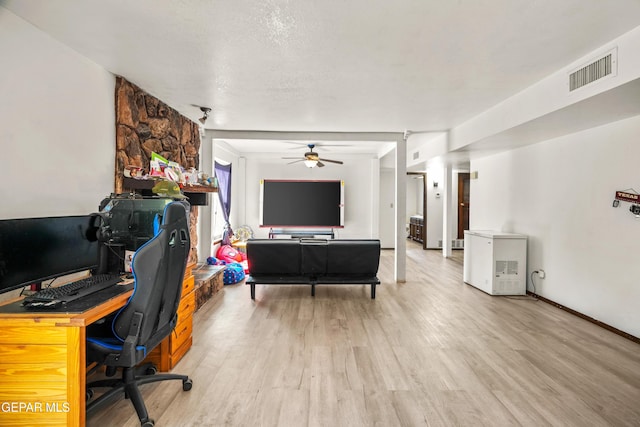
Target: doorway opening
{"points": [[463, 203], [418, 222]]}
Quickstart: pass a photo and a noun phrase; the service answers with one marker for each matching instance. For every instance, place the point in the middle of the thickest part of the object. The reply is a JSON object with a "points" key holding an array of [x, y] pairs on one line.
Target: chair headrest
{"points": [[174, 211]]}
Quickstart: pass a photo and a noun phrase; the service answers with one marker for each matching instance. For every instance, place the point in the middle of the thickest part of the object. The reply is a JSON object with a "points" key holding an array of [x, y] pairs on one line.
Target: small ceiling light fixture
{"points": [[310, 163], [206, 112]]}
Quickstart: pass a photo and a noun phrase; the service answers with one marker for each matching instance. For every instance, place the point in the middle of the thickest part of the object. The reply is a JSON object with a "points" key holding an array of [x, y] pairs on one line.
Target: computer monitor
{"points": [[36, 249]]}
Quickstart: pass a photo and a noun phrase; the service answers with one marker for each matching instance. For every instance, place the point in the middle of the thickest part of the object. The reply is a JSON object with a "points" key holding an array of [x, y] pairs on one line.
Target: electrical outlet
{"points": [[541, 274]]}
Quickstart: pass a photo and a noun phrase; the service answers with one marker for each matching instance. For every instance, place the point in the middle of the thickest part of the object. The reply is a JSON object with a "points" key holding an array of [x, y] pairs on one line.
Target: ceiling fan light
{"points": [[310, 163]]}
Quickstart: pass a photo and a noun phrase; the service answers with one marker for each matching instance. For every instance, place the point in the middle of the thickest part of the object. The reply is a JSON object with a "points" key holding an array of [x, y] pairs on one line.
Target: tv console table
{"points": [[273, 232]]}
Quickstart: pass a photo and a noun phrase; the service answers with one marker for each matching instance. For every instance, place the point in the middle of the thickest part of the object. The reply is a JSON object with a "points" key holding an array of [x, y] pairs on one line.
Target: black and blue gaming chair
{"points": [[148, 317]]}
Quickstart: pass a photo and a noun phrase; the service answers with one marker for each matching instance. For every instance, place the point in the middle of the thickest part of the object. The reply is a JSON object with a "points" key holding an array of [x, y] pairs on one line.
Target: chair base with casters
{"points": [[129, 384]]}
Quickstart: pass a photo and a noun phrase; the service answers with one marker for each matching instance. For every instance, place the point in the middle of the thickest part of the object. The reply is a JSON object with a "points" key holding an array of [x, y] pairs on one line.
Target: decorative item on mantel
{"points": [[133, 171], [162, 169], [166, 188]]}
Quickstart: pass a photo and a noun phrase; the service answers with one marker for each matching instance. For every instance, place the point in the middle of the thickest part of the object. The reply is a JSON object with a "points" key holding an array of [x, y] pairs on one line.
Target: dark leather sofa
{"points": [[313, 262]]}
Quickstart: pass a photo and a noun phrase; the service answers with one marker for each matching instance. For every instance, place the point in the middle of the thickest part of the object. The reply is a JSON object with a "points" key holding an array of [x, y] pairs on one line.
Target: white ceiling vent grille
{"points": [[595, 70]]}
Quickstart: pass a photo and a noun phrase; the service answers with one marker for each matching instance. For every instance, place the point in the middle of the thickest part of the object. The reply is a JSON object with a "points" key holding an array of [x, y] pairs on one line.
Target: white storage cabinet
{"points": [[496, 262]]}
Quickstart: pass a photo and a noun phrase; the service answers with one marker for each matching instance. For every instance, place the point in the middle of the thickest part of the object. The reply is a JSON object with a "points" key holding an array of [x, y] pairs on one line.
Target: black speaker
{"points": [[111, 258]]}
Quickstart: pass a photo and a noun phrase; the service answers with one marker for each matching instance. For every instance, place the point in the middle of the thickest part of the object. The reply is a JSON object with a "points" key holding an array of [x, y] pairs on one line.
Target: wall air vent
{"points": [[455, 244], [604, 66]]}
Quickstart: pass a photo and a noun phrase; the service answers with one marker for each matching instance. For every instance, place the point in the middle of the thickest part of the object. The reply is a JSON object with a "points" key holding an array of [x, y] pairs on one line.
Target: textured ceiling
{"points": [[294, 148], [336, 66]]}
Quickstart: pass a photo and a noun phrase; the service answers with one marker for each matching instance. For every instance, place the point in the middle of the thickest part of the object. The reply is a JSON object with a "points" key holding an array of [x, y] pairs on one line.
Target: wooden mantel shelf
{"points": [[197, 194], [147, 184], [190, 188]]}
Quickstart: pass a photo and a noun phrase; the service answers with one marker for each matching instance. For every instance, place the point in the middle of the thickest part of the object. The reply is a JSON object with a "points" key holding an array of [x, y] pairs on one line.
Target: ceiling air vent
{"points": [[601, 67]]}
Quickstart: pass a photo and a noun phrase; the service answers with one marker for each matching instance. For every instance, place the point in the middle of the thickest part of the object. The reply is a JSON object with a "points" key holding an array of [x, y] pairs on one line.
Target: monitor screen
{"points": [[37, 249], [302, 203]]}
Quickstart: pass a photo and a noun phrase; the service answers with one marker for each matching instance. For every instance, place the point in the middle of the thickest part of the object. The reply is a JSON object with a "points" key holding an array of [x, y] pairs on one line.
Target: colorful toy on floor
{"points": [[230, 255], [234, 273]]}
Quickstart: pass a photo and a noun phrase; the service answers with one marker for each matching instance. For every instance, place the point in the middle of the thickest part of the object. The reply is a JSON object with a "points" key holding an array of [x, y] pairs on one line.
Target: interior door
{"points": [[463, 203]]}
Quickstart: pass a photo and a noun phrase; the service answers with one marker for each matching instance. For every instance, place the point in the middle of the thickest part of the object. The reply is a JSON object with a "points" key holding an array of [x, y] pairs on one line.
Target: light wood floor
{"points": [[431, 351]]}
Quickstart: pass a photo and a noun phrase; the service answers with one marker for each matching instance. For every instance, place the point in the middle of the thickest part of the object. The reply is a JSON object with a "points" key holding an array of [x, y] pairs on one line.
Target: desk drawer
{"points": [[33, 363], [180, 352], [188, 284], [180, 334], [187, 306], [33, 332]]}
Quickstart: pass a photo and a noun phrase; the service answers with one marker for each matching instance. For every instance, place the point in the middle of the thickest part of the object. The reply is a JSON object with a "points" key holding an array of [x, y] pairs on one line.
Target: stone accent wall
{"points": [[144, 124]]}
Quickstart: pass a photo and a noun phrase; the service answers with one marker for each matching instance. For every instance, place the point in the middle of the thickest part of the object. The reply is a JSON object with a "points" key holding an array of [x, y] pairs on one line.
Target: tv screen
{"points": [[302, 203], [37, 249]]}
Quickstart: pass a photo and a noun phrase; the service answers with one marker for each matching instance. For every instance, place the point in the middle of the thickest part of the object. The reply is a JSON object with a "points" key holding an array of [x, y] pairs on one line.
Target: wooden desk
{"points": [[43, 365]]}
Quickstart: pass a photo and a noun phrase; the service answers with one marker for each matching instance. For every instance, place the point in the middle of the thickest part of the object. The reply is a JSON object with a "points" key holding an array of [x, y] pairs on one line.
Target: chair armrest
{"points": [[128, 355]]}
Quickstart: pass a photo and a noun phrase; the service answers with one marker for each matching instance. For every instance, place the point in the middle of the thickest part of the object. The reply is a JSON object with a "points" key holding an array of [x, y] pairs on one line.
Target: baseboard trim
{"points": [[588, 318]]}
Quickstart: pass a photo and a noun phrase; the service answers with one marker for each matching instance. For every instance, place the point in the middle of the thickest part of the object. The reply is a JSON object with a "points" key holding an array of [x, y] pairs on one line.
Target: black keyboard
{"points": [[52, 297]]}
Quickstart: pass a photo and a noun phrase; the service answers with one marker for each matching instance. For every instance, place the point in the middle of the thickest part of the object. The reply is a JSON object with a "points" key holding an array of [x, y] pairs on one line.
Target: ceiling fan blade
{"points": [[295, 161], [331, 161], [297, 145], [321, 145], [320, 164]]}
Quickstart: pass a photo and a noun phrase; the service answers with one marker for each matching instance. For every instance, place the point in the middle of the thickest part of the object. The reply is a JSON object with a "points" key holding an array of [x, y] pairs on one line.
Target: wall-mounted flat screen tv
{"points": [[288, 203]]}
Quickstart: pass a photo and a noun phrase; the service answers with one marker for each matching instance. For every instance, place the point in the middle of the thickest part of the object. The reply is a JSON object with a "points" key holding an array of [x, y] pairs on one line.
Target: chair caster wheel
{"points": [[148, 423], [151, 370], [89, 394], [187, 384]]}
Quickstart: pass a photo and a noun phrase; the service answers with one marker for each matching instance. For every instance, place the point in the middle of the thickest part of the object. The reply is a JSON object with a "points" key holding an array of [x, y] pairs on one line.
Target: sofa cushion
{"points": [[353, 257], [276, 257], [313, 253]]}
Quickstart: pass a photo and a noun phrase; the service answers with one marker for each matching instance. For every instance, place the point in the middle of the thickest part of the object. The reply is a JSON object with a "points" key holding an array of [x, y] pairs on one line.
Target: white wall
{"points": [[435, 206], [361, 204], [425, 146], [551, 93], [57, 131], [387, 231], [560, 194]]}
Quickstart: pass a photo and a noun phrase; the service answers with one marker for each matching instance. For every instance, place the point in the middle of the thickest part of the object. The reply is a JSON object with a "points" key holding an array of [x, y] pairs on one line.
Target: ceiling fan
{"points": [[311, 158]]}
